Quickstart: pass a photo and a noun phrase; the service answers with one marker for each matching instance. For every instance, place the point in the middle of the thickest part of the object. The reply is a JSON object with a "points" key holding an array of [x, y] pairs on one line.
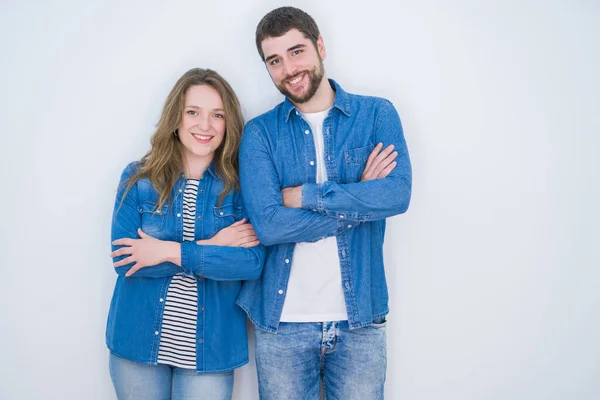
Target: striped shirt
{"points": [[178, 339]]}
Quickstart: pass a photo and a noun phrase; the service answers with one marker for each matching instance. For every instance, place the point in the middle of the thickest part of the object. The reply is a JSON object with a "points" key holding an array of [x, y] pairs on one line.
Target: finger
{"points": [[247, 238], [373, 154], [240, 222], [134, 269], [124, 261], [384, 153], [143, 234], [251, 244], [121, 252], [123, 242], [244, 237], [245, 227], [386, 171], [377, 166], [384, 163]]}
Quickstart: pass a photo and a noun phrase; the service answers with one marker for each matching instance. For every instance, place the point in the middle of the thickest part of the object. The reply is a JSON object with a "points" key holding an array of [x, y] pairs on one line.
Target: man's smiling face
{"points": [[295, 64]]}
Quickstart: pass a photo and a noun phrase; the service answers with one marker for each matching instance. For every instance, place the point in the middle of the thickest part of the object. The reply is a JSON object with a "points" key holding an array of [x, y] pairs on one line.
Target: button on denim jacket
{"points": [[278, 151], [135, 316]]}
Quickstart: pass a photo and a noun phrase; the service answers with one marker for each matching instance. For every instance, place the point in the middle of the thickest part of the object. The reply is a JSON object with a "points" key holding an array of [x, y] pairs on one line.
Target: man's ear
{"points": [[321, 47]]}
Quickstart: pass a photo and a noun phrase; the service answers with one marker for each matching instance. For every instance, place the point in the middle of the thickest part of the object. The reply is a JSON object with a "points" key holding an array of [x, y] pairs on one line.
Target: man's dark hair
{"points": [[279, 21]]}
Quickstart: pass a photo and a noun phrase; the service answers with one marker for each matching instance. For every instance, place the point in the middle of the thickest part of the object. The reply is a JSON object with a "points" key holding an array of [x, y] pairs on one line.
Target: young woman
{"points": [[181, 248]]}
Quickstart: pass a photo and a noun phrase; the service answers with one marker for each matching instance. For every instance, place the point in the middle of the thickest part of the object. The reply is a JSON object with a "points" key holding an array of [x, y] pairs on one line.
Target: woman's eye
{"points": [[219, 116], [191, 112]]}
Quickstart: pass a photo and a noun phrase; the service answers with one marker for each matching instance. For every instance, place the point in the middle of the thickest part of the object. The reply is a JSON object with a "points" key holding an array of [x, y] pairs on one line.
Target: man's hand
{"points": [[145, 252], [238, 234], [292, 197], [380, 163]]}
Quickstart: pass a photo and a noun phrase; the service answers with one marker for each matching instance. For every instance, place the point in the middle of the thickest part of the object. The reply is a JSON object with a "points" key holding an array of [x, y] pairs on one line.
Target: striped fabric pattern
{"points": [[178, 337]]}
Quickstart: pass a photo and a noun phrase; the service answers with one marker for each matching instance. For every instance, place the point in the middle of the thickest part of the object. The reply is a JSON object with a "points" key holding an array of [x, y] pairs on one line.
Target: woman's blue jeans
{"points": [[134, 381]]}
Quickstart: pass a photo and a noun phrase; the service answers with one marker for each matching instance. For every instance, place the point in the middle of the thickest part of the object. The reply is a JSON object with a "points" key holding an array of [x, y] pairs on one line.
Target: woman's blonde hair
{"points": [[163, 164]]}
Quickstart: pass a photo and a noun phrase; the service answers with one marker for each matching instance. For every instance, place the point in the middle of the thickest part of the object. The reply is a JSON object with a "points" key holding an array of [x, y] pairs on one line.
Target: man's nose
{"points": [[290, 69]]}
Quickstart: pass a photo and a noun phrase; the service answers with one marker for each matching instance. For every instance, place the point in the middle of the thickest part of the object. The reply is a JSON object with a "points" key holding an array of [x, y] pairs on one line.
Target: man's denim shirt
{"points": [[278, 151], [135, 316]]}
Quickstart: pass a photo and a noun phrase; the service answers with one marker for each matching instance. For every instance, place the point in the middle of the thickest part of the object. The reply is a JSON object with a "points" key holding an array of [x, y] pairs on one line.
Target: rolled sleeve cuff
{"points": [[192, 258], [312, 196]]}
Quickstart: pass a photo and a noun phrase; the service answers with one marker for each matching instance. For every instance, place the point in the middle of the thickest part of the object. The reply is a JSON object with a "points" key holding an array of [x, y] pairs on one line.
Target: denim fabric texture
{"points": [[134, 381], [278, 151], [352, 363], [135, 317]]}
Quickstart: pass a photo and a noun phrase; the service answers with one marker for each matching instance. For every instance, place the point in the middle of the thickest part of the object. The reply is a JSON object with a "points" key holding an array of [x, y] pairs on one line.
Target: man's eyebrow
{"points": [[298, 46], [272, 56]]}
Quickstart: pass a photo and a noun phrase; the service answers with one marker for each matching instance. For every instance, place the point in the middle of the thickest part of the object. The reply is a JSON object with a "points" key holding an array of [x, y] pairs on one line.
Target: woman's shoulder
{"points": [[131, 169]]}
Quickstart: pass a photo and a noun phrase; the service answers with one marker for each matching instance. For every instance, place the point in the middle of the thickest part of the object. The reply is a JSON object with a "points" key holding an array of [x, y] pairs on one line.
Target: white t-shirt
{"points": [[314, 291]]}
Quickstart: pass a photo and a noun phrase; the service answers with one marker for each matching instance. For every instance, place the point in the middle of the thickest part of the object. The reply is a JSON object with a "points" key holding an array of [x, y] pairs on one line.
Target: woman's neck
{"points": [[194, 166]]}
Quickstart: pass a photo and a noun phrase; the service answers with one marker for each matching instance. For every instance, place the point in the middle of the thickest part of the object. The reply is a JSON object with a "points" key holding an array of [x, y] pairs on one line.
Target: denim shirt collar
{"points": [[341, 102]]}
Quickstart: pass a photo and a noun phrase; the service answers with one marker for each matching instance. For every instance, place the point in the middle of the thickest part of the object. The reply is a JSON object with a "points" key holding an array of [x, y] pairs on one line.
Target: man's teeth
{"points": [[295, 80], [202, 137]]}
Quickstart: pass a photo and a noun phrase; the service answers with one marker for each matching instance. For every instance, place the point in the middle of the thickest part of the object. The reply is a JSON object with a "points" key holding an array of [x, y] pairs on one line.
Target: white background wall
{"points": [[493, 272]]}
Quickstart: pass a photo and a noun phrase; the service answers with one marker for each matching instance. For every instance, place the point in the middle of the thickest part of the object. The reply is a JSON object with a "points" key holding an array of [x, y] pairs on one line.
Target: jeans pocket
{"points": [[379, 322]]}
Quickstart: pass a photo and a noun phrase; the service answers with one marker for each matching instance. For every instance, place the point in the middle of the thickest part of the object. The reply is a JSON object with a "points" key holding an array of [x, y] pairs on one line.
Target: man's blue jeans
{"points": [[292, 362], [134, 381]]}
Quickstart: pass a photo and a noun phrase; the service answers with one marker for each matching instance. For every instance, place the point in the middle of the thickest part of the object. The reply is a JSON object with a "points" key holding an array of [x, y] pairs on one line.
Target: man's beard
{"points": [[315, 76]]}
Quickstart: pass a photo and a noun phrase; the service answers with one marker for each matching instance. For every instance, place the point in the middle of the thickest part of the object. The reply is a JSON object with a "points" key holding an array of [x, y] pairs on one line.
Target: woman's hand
{"points": [[145, 252], [238, 234]]}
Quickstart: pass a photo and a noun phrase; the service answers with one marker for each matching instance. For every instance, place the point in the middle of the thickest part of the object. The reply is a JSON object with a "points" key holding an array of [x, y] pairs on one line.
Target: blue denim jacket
{"points": [[278, 151], [135, 316]]}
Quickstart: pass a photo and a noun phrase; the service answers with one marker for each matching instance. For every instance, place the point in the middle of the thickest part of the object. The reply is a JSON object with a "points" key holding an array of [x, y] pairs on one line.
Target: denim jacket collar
{"points": [[341, 102]]}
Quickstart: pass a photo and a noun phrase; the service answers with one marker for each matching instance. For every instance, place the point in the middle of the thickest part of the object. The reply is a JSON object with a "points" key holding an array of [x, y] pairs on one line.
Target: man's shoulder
{"points": [[366, 100], [268, 117], [352, 101]]}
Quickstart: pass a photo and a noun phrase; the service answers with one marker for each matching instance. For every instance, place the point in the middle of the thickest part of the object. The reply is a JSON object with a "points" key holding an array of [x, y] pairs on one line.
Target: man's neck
{"points": [[321, 101]]}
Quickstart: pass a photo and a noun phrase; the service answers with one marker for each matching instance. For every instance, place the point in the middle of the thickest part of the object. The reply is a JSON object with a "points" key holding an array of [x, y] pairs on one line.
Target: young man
{"points": [[318, 186]]}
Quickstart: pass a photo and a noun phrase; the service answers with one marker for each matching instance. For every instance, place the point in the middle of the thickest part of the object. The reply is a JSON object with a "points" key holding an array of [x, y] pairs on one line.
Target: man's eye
{"points": [[296, 52], [274, 62]]}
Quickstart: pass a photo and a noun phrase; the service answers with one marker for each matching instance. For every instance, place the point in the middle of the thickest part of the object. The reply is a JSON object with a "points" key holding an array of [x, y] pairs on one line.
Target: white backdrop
{"points": [[493, 272]]}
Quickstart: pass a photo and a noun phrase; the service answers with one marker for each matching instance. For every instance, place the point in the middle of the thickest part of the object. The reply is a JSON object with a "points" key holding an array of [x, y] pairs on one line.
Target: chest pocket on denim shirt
{"points": [[153, 219], [226, 215], [356, 160]]}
